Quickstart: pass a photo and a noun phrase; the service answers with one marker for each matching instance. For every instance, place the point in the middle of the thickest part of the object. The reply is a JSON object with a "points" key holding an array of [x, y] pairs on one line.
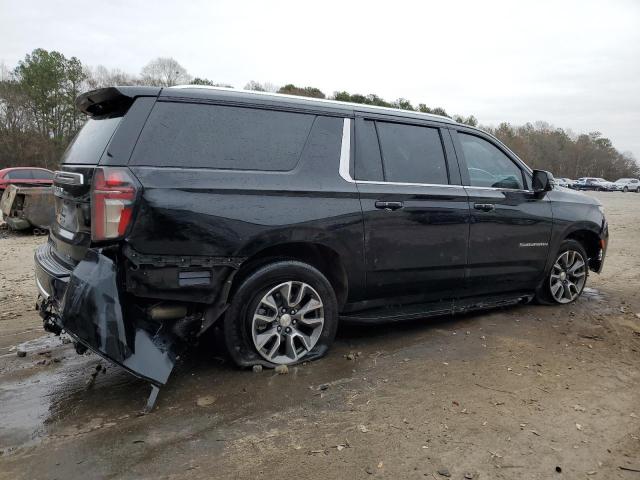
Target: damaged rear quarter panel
{"points": [[201, 212], [177, 277]]}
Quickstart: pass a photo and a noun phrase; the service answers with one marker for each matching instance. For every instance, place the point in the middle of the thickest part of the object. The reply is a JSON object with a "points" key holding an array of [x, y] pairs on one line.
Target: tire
{"points": [[287, 337], [625, 189], [570, 254]]}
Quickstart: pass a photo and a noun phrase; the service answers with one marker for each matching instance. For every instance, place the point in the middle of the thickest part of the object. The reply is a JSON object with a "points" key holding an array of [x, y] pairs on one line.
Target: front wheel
{"points": [[625, 189], [284, 313], [568, 276]]}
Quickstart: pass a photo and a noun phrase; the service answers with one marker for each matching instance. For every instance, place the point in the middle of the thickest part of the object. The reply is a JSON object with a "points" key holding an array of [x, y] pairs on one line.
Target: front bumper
{"points": [[85, 303]]}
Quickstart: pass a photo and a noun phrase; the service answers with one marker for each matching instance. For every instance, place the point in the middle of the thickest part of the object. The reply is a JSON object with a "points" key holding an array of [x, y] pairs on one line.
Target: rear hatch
{"points": [[95, 196], [101, 142], [71, 229]]}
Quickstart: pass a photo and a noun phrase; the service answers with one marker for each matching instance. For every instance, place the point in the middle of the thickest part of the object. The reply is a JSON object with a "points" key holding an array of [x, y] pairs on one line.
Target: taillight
{"points": [[113, 196]]}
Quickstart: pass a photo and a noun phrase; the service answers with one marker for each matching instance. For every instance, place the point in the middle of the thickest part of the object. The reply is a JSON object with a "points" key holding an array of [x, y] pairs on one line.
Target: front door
{"points": [[415, 215], [510, 225]]}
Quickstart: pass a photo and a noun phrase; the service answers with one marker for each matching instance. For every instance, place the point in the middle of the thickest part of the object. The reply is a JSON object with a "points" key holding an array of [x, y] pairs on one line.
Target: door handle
{"points": [[389, 205], [485, 207]]}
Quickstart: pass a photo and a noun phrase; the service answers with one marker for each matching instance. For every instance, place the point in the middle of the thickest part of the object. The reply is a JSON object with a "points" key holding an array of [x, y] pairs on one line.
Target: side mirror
{"points": [[542, 181]]}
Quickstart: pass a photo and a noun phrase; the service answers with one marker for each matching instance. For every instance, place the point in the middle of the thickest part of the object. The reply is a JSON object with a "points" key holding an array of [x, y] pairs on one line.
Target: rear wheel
{"points": [[284, 313], [568, 276]]}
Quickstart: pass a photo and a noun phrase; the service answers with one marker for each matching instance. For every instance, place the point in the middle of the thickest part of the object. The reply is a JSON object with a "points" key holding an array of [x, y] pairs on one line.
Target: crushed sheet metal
{"points": [[92, 314], [37, 208]]}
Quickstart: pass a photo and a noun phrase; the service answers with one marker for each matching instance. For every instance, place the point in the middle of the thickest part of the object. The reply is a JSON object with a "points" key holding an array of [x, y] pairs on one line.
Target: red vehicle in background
{"points": [[25, 176]]}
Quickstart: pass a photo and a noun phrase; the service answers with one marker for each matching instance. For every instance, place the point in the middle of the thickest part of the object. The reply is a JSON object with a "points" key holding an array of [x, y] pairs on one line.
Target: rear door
{"points": [[415, 210], [510, 225]]}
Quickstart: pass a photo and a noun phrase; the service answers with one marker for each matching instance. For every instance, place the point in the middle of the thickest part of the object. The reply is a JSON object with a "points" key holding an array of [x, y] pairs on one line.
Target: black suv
{"points": [[271, 218]]}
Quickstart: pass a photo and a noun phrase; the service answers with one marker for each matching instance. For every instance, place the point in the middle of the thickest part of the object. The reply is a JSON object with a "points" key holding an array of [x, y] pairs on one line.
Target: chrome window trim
{"points": [[345, 162], [345, 151], [500, 189], [403, 184]]}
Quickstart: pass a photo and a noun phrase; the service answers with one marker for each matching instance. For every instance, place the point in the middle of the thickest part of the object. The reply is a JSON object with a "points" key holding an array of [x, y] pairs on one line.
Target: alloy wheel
{"points": [[568, 276], [287, 322]]}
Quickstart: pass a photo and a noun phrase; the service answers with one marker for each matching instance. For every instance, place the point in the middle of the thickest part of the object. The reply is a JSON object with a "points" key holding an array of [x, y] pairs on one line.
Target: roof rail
{"points": [[432, 116]]}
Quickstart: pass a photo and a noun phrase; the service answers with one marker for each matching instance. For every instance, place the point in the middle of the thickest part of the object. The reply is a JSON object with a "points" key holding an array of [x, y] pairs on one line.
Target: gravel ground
{"points": [[527, 392]]}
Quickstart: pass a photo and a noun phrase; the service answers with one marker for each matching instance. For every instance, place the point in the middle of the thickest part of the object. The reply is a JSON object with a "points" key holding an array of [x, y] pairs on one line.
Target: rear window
{"points": [[91, 141], [222, 137]]}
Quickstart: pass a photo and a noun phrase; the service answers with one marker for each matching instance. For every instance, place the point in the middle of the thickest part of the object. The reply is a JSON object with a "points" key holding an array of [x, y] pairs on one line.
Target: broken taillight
{"points": [[113, 195]]}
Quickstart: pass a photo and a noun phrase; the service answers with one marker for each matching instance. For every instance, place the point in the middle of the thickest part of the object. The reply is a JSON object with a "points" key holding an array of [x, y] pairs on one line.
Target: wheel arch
{"points": [[591, 242], [318, 255]]}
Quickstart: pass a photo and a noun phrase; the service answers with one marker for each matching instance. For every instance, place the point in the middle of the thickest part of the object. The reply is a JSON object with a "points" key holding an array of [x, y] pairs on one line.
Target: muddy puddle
{"points": [[50, 394]]}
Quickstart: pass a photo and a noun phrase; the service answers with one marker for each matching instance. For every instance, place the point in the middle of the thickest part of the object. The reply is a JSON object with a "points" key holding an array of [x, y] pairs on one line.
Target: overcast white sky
{"points": [[575, 64]]}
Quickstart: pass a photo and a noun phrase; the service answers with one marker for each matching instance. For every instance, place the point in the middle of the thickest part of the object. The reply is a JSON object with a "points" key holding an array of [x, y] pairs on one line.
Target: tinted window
{"points": [[42, 175], [323, 145], [91, 141], [368, 161], [19, 175], [488, 166], [213, 136], [412, 154]]}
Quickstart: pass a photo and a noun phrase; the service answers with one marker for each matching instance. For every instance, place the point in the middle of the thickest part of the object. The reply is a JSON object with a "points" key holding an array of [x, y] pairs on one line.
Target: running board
{"points": [[416, 311]]}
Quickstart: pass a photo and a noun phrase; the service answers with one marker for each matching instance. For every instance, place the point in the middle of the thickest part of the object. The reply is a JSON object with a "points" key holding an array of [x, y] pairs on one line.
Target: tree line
{"points": [[38, 117]]}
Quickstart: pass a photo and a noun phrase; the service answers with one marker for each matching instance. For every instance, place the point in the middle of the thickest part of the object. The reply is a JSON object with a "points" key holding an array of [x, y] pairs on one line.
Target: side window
{"points": [[412, 154], [214, 136], [20, 175], [42, 175], [488, 166], [368, 161]]}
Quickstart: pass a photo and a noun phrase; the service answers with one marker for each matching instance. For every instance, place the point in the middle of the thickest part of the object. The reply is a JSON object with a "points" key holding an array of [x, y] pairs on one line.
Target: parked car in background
{"points": [[627, 185], [564, 182], [273, 218], [25, 176], [594, 183]]}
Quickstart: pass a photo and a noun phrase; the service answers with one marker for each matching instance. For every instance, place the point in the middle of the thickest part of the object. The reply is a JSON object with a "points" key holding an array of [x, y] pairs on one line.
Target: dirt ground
{"points": [[527, 392]]}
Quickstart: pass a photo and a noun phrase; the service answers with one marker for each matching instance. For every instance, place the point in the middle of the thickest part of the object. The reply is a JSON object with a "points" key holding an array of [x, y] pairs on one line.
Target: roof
{"points": [[24, 168], [205, 91]]}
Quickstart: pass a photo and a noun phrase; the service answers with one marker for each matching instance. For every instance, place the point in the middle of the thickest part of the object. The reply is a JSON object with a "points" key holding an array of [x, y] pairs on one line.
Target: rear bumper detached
{"points": [[85, 303]]}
